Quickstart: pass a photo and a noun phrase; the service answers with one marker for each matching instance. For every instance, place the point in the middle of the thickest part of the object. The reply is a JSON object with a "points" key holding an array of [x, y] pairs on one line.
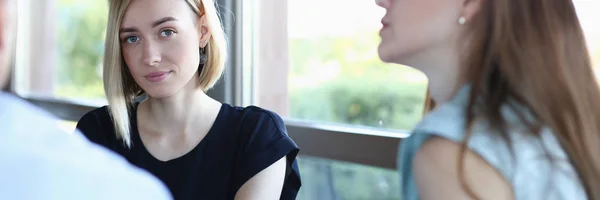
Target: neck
{"points": [[443, 86], [180, 112], [443, 70]]}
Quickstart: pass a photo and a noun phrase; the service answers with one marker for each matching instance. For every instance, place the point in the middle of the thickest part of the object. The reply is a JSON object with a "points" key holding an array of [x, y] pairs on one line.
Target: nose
{"points": [[383, 3], [151, 54]]}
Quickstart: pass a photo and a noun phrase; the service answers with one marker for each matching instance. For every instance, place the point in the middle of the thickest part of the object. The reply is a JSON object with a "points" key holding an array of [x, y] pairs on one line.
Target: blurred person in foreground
{"points": [[40, 161], [515, 106]]}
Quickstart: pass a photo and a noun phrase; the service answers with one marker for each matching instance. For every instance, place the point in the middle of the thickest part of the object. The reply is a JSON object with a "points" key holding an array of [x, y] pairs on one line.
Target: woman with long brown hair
{"points": [[518, 106]]}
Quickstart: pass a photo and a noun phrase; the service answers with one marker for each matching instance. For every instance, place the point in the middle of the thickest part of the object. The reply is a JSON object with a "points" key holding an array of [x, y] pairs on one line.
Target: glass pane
{"points": [[60, 49], [589, 15], [328, 179], [80, 32], [334, 74]]}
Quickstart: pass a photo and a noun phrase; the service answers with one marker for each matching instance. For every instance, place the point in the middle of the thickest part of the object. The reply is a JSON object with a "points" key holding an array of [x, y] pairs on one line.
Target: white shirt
{"points": [[38, 160]]}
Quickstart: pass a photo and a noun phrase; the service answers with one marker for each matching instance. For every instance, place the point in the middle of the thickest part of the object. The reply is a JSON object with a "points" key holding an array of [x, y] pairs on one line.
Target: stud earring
{"points": [[462, 20]]}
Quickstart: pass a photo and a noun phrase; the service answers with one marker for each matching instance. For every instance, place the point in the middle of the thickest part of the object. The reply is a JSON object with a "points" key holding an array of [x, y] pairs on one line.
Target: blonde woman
{"points": [[174, 51]]}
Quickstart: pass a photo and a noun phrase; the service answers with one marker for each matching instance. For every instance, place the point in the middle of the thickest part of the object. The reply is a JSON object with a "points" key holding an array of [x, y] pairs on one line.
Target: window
{"points": [[64, 40], [319, 64], [328, 179], [324, 67]]}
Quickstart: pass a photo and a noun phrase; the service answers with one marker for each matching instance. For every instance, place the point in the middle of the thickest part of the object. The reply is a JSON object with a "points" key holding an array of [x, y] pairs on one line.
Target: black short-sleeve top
{"points": [[241, 143]]}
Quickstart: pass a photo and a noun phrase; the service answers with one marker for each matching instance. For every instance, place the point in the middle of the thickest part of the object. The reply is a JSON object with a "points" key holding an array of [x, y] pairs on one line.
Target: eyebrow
{"points": [[163, 20], [154, 24]]}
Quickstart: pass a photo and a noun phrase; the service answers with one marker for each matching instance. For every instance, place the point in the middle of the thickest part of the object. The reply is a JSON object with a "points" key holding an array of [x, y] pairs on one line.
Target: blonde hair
{"points": [[120, 87]]}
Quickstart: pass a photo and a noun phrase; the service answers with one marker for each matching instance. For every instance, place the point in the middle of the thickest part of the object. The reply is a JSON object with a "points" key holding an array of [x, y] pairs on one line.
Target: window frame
{"points": [[367, 146]]}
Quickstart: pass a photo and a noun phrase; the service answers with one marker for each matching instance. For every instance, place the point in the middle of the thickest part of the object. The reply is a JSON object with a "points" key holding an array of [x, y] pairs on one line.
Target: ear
{"points": [[203, 31], [471, 8]]}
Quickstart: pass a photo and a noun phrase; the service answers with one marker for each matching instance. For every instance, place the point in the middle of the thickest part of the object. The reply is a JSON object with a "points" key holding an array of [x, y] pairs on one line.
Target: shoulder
{"points": [[264, 141], [447, 120], [32, 142], [97, 126], [98, 116], [94, 120], [258, 115], [24, 122], [254, 119], [75, 167], [18, 116], [432, 152], [436, 168], [446, 126], [436, 142]]}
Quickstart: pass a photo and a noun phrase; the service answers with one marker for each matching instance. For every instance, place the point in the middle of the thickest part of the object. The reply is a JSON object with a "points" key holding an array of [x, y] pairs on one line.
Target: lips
{"points": [[157, 76], [384, 23]]}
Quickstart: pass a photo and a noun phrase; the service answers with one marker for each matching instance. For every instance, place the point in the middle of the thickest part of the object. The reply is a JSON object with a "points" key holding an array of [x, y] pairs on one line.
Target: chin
{"points": [[160, 92], [384, 54], [390, 54], [396, 55]]}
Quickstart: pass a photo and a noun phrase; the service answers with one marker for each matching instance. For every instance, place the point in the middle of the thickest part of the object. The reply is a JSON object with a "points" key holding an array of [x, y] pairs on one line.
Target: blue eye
{"points": [[167, 33], [132, 39]]}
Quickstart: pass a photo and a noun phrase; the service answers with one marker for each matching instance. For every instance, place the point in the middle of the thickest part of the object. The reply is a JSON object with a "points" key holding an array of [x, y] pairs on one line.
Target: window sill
{"points": [[363, 145]]}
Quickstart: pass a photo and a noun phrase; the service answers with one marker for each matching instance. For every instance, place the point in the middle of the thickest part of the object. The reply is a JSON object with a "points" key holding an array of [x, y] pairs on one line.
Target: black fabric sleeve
{"points": [[264, 142]]}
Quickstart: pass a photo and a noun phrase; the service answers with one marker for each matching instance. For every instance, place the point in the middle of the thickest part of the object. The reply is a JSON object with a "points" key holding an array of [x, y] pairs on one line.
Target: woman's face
{"points": [[160, 42], [415, 31]]}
